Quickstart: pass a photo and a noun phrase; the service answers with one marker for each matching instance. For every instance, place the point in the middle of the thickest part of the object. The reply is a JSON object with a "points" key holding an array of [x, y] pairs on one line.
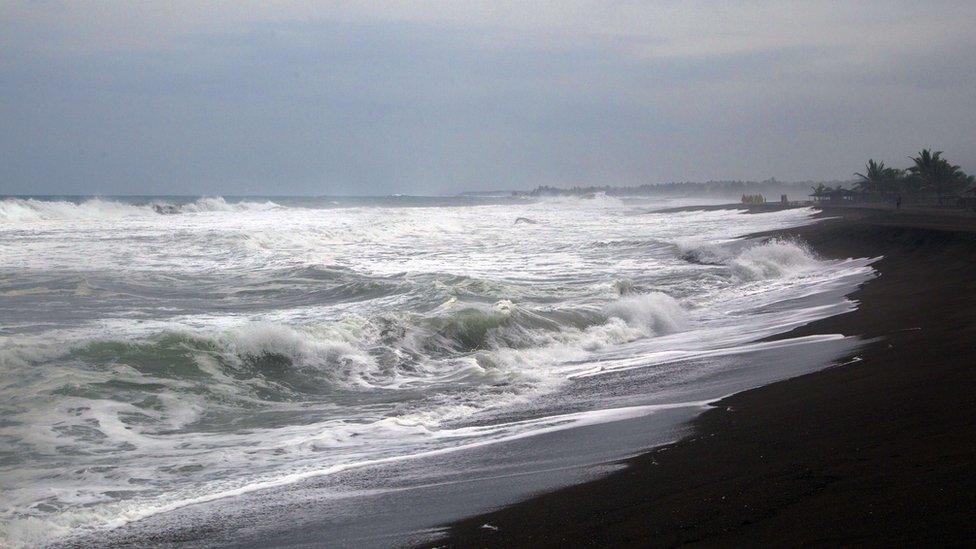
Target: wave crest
{"points": [[33, 209], [775, 258], [657, 312], [219, 204]]}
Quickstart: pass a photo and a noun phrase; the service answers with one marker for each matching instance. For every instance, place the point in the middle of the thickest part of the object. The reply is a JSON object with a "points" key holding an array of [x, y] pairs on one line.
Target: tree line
{"points": [[725, 189], [929, 173]]}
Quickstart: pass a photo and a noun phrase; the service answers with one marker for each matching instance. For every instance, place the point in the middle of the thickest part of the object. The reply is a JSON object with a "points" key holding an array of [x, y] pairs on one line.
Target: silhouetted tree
{"points": [[933, 173], [878, 178], [820, 190]]}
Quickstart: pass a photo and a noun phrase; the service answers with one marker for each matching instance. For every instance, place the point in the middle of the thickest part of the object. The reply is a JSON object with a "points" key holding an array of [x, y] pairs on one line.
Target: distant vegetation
{"points": [[930, 179], [929, 173], [771, 188]]}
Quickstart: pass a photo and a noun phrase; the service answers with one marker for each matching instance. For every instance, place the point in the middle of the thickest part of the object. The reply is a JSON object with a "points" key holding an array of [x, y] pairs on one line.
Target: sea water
{"points": [[157, 353]]}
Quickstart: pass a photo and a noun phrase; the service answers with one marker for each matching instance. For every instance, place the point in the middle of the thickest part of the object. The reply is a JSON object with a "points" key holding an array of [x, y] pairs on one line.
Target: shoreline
{"points": [[878, 449]]}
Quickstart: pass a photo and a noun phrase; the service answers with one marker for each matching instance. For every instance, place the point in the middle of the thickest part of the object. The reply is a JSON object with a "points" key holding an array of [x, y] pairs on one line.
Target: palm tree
{"points": [[925, 166], [871, 179], [877, 178], [936, 174], [820, 190]]}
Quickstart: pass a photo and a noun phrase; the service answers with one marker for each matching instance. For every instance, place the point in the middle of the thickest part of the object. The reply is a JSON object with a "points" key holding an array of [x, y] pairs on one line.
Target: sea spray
{"points": [[751, 260], [657, 312], [774, 258], [22, 210], [151, 361], [31, 209]]}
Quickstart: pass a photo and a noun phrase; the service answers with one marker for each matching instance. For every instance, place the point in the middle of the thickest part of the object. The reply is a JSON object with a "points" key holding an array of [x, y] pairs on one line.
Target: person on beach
{"points": [[898, 202]]}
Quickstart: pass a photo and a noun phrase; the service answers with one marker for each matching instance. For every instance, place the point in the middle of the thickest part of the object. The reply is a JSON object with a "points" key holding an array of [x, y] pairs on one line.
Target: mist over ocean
{"points": [[157, 353]]}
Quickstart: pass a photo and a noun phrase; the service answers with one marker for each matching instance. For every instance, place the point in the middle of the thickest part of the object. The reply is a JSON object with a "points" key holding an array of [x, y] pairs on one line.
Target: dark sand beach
{"points": [[879, 450]]}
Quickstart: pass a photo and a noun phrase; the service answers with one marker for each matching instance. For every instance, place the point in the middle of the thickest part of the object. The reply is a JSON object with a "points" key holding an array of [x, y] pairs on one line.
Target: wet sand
{"points": [[879, 450]]}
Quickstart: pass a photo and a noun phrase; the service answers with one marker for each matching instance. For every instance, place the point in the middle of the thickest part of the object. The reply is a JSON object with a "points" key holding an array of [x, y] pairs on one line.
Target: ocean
{"points": [[159, 353]]}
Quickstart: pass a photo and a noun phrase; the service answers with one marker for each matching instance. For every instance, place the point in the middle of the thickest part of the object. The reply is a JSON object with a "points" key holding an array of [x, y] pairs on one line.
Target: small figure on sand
{"points": [[898, 202]]}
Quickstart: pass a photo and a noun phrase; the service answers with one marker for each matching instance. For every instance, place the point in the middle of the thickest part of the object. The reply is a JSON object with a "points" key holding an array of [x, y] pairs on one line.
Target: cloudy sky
{"points": [[438, 97]]}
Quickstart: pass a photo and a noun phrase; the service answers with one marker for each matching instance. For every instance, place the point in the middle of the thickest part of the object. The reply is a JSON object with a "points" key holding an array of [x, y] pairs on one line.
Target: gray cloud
{"points": [[392, 100]]}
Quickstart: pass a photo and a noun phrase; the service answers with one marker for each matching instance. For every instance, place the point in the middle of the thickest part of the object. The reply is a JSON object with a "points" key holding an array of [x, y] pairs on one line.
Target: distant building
{"points": [[967, 198], [834, 196]]}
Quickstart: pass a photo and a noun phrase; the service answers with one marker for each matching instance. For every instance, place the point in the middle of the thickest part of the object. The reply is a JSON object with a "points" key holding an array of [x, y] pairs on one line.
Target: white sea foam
{"points": [[150, 361], [658, 312], [29, 532], [775, 258], [32, 209], [219, 204]]}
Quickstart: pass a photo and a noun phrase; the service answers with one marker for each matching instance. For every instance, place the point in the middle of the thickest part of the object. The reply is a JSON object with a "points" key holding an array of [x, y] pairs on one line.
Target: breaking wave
{"points": [[144, 368], [657, 312], [32, 209], [179, 393], [773, 258], [288, 362], [219, 204]]}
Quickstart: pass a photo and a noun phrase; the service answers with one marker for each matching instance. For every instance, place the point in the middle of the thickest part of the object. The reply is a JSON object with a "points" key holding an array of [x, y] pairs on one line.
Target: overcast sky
{"points": [[440, 97]]}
